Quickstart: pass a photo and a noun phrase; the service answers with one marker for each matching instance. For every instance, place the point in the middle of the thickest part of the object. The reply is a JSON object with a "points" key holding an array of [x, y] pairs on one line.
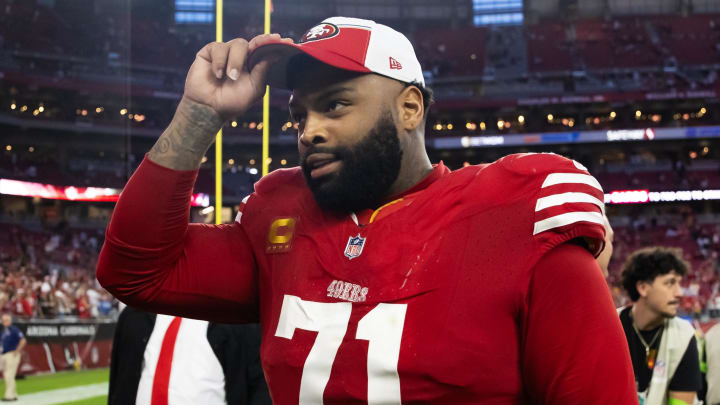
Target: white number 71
{"points": [[382, 327]]}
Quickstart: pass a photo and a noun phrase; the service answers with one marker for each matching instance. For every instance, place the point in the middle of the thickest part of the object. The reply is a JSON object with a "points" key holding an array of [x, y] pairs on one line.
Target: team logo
{"points": [[318, 32], [280, 235], [394, 64], [354, 246]]}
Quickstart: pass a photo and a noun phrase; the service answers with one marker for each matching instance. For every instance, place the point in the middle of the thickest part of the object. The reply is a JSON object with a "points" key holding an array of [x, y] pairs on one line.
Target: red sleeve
{"points": [[154, 260], [574, 349]]}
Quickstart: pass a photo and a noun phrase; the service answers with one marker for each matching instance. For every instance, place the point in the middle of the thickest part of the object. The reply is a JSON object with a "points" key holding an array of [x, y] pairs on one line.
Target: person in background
{"points": [[662, 346], [161, 359], [13, 342], [712, 360], [604, 257]]}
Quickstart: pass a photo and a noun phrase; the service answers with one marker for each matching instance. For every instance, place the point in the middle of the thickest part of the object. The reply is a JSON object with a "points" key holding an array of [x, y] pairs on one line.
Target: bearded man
{"points": [[377, 276]]}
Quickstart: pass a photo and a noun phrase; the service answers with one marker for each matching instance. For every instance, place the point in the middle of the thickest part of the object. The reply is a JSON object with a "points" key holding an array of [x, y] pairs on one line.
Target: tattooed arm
{"points": [[190, 134], [152, 258]]}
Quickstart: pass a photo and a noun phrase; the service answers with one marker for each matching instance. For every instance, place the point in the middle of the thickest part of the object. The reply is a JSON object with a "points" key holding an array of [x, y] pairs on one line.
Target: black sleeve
{"points": [[132, 332], [237, 347], [115, 359], [687, 376], [257, 387]]}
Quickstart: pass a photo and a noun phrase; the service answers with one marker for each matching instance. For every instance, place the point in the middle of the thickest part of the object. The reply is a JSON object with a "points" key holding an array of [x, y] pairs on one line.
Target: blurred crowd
{"points": [[51, 274]]}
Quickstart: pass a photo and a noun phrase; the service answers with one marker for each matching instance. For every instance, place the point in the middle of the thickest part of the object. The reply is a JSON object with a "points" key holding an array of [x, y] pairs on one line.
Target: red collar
{"points": [[403, 199]]}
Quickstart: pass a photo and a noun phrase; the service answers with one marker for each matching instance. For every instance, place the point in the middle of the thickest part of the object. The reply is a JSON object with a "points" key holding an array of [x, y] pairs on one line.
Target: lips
{"points": [[322, 164]]}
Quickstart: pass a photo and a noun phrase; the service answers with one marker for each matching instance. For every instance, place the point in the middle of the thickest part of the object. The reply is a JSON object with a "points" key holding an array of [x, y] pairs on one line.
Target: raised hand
{"points": [[219, 86], [220, 77]]}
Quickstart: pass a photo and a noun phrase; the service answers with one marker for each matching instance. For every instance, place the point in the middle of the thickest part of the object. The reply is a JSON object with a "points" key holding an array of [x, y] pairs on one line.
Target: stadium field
{"points": [[87, 387]]}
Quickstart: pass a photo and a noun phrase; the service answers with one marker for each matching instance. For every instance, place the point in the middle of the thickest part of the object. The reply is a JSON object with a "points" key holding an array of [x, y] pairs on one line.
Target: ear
{"points": [[410, 108], [642, 288]]}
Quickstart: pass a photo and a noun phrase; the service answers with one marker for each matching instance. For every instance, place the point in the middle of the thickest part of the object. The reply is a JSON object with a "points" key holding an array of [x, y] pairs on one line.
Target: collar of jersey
{"points": [[402, 200]]}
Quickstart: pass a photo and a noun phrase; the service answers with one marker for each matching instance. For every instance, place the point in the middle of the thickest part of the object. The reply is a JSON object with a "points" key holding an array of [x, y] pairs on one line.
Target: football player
{"points": [[378, 277]]}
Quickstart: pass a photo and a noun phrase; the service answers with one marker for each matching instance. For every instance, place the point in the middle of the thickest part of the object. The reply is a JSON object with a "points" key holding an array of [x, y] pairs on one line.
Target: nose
{"points": [[678, 290], [313, 131]]}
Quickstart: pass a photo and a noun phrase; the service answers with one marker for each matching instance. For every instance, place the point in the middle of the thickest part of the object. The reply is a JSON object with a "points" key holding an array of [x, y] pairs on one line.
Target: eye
{"points": [[335, 105]]}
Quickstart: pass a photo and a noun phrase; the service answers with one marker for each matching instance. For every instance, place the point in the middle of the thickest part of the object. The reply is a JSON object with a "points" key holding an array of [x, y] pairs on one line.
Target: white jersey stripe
{"points": [[567, 219], [577, 178], [238, 217], [565, 198]]}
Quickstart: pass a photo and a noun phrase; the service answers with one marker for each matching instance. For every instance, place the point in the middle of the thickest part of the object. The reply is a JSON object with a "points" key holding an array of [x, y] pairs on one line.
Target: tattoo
{"points": [[163, 145], [187, 139]]}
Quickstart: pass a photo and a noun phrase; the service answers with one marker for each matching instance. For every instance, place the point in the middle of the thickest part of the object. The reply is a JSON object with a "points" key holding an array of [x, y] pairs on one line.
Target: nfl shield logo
{"points": [[354, 246]]}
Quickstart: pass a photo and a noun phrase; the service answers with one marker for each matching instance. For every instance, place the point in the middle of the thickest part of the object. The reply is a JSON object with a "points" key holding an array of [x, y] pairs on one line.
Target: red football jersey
{"points": [[450, 293]]}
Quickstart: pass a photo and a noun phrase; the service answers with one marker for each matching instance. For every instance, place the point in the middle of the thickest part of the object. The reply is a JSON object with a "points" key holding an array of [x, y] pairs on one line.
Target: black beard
{"points": [[368, 171]]}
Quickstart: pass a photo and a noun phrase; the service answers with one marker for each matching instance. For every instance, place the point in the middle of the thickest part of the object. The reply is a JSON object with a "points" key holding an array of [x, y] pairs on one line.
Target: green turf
{"points": [[101, 400], [63, 379]]}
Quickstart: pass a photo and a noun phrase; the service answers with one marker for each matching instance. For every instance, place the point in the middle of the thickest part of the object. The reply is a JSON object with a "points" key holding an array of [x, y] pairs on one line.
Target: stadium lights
{"points": [[550, 117], [233, 124], [638, 114], [8, 148], [252, 161], [204, 159], [706, 150], [98, 110], [703, 110], [36, 112], [123, 111], [438, 127], [693, 154], [449, 127], [268, 160], [52, 192], [32, 149], [283, 162], [13, 106], [252, 125], [259, 126], [41, 108], [613, 115], [521, 119], [231, 162], [207, 210], [482, 126], [23, 108], [500, 124]]}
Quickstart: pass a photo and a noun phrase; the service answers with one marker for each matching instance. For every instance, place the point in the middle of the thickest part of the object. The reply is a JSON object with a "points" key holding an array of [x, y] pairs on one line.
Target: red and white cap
{"points": [[350, 44]]}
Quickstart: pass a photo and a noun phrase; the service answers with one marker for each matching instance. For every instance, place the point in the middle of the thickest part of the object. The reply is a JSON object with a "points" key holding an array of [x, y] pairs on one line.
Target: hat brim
{"points": [[279, 70]]}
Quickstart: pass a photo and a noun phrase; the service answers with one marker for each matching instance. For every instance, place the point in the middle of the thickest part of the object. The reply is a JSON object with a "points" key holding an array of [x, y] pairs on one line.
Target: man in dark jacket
{"points": [[171, 360]]}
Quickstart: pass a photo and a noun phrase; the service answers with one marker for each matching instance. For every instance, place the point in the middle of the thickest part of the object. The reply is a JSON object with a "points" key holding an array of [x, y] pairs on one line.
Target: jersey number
{"points": [[382, 327]]}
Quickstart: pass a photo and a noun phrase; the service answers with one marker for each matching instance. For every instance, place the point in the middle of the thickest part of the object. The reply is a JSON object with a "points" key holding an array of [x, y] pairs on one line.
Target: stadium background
{"points": [[629, 88]]}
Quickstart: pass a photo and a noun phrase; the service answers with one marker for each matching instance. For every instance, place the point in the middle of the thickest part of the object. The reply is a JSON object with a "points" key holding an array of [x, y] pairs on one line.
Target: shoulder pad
{"points": [[279, 178], [538, 163]]}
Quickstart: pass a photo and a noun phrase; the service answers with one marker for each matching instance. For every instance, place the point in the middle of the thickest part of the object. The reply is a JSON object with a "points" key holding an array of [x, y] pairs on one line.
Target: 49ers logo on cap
{"points": [[318, 32]]}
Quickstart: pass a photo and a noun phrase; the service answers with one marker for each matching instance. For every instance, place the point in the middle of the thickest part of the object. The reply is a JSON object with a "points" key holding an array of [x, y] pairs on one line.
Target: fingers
{"points": [[236, 59], [265, 38], [229, 58], [218, 57]]}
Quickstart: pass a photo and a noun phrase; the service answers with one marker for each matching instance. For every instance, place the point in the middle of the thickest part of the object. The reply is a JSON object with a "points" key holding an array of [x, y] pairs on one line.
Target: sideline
{"points": [[62, 395]]}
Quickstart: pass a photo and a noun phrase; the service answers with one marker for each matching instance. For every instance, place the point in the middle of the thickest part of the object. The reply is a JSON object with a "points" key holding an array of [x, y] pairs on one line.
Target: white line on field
{"points": [[59, 396]]}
